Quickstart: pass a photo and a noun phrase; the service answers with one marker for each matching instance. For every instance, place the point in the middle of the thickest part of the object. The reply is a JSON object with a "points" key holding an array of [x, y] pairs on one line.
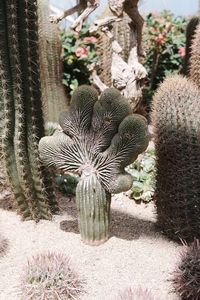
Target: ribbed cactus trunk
{"points": [[21, 100], [93, 204]]}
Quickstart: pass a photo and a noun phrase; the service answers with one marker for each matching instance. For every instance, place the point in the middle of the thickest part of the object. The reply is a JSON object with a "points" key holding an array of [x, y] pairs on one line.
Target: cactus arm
{"points": [[9, 110]]}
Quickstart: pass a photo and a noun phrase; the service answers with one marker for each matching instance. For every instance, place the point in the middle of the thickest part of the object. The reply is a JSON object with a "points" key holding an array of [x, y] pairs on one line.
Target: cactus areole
{"points": [[99, 138]]}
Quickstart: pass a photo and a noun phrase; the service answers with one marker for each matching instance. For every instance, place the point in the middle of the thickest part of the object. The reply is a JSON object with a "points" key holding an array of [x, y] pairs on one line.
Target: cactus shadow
{"points": [[123, 225]]}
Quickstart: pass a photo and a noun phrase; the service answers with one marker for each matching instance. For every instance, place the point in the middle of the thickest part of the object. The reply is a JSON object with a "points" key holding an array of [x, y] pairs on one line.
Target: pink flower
{"points": [[181, 52], [154, 13], [90, 39], [81, 52], [76, 34], [160, 39]]}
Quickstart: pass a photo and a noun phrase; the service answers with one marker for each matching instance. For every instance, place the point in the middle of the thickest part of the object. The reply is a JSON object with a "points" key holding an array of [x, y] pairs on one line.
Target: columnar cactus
{"points": [[175, 118], [99, 138], [190, 33], [195, 58], [21, 100], [187, 275], [53, 94]]}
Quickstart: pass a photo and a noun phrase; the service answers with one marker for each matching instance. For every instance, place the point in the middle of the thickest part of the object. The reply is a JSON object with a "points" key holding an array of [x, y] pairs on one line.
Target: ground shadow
{"points": [[123, 225]]}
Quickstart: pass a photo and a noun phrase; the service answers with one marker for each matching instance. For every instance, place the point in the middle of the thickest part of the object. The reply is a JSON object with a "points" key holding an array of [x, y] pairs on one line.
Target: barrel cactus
{"points": [[187, 275], [190, 34], [195, 58], [136, 294], [175, 118], [99, 138], [21, 101]]}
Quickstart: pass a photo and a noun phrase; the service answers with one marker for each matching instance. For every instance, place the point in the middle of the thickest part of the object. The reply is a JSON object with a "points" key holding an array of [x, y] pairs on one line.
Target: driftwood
{"points": [[128, 76]]}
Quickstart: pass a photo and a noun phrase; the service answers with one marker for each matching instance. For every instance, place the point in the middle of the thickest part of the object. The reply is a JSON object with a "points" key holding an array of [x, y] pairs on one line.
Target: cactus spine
{"points": [[19, 80], [175, 117], [99, 139]]}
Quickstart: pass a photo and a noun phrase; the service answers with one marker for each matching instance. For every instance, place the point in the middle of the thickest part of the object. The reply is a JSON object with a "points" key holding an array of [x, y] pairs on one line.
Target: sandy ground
{"points": [[135, 255]]}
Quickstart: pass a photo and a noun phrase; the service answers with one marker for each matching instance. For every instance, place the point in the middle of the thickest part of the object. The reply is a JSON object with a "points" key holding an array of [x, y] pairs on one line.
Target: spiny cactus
{"points": [[135, 294], [195, 58], [187, 276], [122, 33], [50, 276], [53, 95], [99, 139], [21, 100], [175, 118], [190, 32]]}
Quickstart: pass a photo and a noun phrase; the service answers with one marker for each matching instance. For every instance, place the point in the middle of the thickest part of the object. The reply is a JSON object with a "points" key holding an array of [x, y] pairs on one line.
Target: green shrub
{"points": [[78, 55], [164, 40], [143, 172]]}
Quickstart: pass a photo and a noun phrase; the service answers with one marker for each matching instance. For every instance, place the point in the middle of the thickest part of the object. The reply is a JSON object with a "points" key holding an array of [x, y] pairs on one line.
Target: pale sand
{"points": [[135, 255]]}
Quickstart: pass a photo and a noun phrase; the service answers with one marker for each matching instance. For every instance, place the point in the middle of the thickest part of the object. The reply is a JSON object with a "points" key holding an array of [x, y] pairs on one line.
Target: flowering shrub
{"points": [[78, 56], [164, 40]]}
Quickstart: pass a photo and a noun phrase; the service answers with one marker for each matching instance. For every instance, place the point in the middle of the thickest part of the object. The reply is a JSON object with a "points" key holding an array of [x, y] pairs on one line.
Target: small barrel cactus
{"points": [[99, 139], [135, 294], [175, 118], [187, 276], [50, 276]]}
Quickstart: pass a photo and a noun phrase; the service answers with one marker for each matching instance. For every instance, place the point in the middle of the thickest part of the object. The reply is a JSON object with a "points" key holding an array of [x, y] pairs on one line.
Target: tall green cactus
{"points": [[176, 114], [195, 58], [99, 139], [21, 99], [190, 33], [54, 98]]}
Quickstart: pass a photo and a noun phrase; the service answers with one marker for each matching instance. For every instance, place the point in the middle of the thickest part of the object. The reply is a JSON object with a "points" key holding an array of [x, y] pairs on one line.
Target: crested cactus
{"points": [[195, 58], [190, 33], [176, 124], [54, 98], [21, 100], [99, 138], [187, 275]]}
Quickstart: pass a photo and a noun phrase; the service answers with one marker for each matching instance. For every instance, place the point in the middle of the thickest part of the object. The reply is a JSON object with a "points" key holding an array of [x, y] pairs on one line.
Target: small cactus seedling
{"points": [[50, 276], [99, 139], [187, 276], [135, 294]]}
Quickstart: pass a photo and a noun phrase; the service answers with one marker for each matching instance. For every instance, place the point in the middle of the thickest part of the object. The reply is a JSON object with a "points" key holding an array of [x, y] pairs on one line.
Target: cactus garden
{"points": [[99, 150]]}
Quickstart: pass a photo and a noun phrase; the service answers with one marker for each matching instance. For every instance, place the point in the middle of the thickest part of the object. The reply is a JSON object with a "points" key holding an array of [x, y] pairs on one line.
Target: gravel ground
{"points": [[135, 255]]}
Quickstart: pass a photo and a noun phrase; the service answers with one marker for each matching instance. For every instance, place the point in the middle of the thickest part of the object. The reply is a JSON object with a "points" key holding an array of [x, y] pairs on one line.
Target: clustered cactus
{"points": [[99, 138], [50, 276], [135, 294], [21, 101], [175, 117], [187, 276]]}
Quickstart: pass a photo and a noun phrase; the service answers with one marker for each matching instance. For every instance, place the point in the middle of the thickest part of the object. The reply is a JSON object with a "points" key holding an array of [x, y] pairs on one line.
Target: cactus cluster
{"points": [[187, 276], [175, 118], [99, 138], [50, 276], [135, 294], [21, 100]]}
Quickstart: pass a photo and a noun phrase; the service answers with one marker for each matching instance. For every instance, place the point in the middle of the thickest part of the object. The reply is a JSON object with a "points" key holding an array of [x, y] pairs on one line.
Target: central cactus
{"points": [[99, 138]]}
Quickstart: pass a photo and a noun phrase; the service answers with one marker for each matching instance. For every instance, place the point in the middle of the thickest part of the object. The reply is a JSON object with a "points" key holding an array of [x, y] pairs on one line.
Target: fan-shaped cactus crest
{"points": [[99, 138]]}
